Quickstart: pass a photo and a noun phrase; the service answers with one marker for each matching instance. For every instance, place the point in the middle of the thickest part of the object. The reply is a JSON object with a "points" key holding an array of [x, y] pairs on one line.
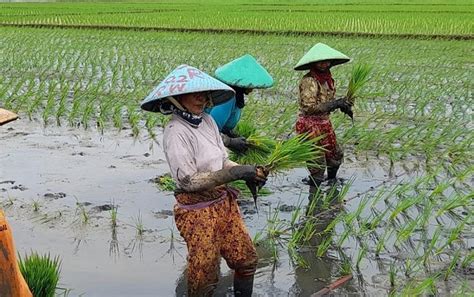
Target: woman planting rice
{"points": [[317, 100], [206, 212]]}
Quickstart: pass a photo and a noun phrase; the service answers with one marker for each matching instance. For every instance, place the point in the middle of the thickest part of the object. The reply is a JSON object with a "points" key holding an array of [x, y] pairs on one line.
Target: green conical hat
{"points": [[245, 72], [321, 52]]}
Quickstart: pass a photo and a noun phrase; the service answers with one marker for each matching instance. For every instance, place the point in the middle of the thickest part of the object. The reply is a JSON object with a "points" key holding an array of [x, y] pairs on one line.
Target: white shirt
{"points": [[192, 150]]}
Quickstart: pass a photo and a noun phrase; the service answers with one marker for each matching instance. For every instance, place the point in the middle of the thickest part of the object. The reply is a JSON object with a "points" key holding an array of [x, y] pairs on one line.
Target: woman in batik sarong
{"points": [[206, 211], [317, 100]]}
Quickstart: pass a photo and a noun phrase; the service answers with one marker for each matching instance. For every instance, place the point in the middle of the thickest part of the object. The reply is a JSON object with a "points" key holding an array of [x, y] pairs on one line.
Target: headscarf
{"points": [[323, 77]]}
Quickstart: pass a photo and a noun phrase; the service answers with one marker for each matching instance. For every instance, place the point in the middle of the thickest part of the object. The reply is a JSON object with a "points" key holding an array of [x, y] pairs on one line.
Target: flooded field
{"points": [[79, 169], [59, 187]]}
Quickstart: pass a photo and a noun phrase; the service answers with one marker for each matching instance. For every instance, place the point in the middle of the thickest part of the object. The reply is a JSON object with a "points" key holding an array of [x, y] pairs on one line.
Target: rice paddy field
{"points": [[78, 170]]}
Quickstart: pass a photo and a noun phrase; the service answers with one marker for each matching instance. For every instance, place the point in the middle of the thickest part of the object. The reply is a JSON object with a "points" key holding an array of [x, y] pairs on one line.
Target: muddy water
{"points": [[58, 184]]}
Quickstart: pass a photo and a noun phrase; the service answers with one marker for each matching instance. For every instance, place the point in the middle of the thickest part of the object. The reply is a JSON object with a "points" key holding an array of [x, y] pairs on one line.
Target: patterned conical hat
{"points": [[245, 72], [321, 52], [184, 80]]}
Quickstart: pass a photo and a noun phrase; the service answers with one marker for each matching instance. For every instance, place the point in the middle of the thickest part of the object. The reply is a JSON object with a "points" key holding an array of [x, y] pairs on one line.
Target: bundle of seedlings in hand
{"points": [[359, 77], [293, 153], [41, 273]]}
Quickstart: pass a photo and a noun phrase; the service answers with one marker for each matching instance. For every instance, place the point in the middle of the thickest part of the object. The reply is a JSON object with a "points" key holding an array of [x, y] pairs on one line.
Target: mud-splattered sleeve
{"points": [[309, 100]]}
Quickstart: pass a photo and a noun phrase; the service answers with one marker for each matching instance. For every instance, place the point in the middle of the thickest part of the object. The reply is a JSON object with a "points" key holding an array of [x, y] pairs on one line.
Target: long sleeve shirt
{"points": [[190, 150], [312, 94]]}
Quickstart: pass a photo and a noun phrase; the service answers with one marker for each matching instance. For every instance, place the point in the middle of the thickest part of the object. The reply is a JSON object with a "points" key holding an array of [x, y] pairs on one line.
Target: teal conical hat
{"points": [[245, 72], [321, 52], [184, 80]]}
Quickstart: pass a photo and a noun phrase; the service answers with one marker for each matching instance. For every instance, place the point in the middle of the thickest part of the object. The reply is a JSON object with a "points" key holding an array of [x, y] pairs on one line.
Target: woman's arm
{"points": [[310, 103]]}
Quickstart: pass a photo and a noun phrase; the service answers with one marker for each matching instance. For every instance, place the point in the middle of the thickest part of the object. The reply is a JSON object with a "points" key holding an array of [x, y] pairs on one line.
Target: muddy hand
{"points": [[347, 109], [256, 184], [253, 189]]}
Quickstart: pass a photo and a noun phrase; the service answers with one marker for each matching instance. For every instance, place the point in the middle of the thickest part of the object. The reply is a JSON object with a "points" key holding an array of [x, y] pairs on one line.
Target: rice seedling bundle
{"points": [[41, 273], [293, 153], [359, 77]]}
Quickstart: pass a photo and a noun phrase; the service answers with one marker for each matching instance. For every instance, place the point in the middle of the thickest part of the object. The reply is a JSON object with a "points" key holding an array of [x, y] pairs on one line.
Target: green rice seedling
{"points": [[61, 110], [50, 103], [308, 231], [431, 246], [407, 230], [346, 267], [166, 182], [41, 273], [456, 232], [361, 254], [343, 237], [88, 112], [151, 122], [381, 242], [359, 78], [139, 225], [36, 205], [134, 119], [117, 116], [404, 204], [453, 203], [324, 246], [410, 266], [427, 286], [392, 275], [38, 100], [84, 215], [468, 259], [274, 231], [452, 265], [74, 112], [113, 215], [295, 257]]}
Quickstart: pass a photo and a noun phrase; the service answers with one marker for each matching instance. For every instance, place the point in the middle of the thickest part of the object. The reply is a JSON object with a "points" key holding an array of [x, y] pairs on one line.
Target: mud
{"points": [[60, 185]]}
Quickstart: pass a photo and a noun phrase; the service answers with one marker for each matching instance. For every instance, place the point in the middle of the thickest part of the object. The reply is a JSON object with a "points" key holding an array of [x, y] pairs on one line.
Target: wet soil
{"points": [[59, 187]]}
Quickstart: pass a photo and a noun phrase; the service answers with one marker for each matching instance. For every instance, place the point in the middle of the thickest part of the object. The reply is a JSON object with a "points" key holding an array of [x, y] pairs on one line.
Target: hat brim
{"points": [[334, 62], [163, 104]]}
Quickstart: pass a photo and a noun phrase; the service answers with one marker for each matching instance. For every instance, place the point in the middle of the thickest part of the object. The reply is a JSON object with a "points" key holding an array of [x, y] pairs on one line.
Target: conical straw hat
{"points": [[245, 72], [7, 116], [321, 52], [184, 80]]}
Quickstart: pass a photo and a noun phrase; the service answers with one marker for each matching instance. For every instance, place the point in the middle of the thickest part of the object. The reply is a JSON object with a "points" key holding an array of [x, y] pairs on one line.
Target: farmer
{"points": [[206, 212], [243, 75], [317, 100]]}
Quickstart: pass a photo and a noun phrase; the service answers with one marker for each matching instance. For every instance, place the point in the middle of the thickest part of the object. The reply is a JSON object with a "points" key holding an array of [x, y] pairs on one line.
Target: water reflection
{"points": [[318, 266]]}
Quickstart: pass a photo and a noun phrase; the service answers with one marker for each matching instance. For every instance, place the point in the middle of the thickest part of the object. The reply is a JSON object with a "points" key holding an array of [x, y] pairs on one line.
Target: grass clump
{"points": [[41, 273]]}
